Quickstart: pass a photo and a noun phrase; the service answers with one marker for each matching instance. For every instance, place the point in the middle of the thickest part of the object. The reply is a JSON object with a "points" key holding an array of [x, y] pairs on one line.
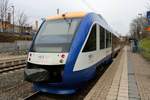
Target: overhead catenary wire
{"points": [[93, 9], [88, 5]]}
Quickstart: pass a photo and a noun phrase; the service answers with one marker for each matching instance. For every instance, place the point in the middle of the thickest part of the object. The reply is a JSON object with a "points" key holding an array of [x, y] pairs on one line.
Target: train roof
{"points": [[80, 14], [104, 24], [67, 15], [107, 26]]}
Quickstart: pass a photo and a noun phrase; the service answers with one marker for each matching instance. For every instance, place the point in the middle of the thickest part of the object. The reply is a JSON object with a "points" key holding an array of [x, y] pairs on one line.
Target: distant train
{"points": [[66, 51]]}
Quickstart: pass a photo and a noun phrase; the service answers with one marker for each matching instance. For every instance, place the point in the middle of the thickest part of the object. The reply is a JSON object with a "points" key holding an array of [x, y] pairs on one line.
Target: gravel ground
{"points": [[10, 79], [13, 87], [17, 92]]}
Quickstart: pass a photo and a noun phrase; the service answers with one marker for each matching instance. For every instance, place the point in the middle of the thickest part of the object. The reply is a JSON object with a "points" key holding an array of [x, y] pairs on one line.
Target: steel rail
{"points": [[12, 68]]}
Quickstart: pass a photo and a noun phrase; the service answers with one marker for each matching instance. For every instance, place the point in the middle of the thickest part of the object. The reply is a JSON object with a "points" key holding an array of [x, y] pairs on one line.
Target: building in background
{"points": [[6, 26]]}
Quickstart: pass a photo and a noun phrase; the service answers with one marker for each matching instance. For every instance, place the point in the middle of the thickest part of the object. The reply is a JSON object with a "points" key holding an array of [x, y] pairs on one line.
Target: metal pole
{"points": [[140, 33], [13, 17], [58, 11]]}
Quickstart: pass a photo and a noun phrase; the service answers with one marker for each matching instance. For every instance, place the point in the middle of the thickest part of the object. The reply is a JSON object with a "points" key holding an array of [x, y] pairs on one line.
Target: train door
{"points": [[108, 43], [102, 43], [90, 46]]}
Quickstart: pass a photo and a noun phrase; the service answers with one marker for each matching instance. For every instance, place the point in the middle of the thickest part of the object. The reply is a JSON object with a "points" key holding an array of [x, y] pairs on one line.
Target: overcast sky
{"points": [[118, 13]]}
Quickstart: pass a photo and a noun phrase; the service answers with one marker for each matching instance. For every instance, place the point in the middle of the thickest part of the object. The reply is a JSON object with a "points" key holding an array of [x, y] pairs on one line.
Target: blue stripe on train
{"points": [[78, 41]]}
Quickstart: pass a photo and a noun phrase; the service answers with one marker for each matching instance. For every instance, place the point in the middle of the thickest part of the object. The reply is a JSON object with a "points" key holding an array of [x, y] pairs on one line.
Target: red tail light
{"points": [[63, 56]]}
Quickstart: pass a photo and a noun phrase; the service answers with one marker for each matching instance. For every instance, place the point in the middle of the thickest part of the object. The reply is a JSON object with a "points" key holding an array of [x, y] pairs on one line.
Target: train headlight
{"points": [[29, 59], [29, 56], [61, 60]]}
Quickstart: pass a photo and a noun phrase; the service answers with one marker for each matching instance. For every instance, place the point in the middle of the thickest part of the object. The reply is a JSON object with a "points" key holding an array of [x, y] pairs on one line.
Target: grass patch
{"points": [[145, 47]]}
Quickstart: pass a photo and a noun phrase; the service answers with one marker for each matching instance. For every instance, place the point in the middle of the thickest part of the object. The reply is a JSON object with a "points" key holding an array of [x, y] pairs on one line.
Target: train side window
{"points": [[91, 42], [102, 37], [108, 39]]}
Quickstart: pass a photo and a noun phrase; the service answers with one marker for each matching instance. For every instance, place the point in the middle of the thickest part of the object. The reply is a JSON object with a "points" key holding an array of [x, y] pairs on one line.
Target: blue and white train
{"points": [[66, 51]]}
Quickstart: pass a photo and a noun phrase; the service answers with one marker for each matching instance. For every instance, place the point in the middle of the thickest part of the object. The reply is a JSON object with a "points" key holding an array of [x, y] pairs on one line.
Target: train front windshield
{"points": [[55, 36]]}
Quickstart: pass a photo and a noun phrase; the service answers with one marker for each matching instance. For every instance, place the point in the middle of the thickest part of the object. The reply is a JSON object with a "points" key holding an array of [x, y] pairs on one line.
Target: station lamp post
{"points": [[139, 14], [13, 7], [141, 26], [58, 11]]}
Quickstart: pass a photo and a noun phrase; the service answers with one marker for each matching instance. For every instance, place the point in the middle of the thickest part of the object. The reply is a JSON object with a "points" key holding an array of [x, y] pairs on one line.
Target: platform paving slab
{"points": [[141, 69], [99, 93], [130, 79]]}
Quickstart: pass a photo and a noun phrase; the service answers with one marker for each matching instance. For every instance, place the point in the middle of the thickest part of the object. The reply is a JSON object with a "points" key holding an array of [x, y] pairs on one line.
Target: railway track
{"points": [[12, 68], [79, 95], [31, 96], [12, 61], [11, 64]]}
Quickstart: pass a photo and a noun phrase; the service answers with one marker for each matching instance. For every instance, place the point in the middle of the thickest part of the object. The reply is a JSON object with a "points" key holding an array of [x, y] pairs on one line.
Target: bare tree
{"points": [[137, 27], [22, 21], [4, 5]]}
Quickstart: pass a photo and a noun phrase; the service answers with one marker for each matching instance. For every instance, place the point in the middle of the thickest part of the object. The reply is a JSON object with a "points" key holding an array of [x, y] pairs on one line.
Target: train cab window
{"points": [[56, 36], [91, 42], [102, 37]]}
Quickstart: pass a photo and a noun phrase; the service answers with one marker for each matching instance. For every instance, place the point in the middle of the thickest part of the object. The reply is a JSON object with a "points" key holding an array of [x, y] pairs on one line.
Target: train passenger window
{"points": [[91, 42], [102, 37], [108, 39]]}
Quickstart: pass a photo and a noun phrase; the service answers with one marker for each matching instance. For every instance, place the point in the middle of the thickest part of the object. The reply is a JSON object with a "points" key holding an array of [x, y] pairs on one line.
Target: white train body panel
{"points": [[47, 58], [88, 59]]}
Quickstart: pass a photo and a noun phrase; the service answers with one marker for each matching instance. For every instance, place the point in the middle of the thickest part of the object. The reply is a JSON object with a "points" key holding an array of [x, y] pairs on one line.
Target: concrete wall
{"points": [[16, 46]]}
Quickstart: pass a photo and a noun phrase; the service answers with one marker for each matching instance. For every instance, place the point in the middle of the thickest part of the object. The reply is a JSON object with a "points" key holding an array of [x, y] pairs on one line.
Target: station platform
{"points": [[4, 57], [127, 78]]}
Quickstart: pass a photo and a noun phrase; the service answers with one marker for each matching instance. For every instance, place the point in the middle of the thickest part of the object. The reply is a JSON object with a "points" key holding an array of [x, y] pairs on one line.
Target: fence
{"points": [[16, 46]]}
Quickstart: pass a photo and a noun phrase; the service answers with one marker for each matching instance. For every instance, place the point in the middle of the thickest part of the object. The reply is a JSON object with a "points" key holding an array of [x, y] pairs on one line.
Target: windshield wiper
{"points": [[69, 21]]}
